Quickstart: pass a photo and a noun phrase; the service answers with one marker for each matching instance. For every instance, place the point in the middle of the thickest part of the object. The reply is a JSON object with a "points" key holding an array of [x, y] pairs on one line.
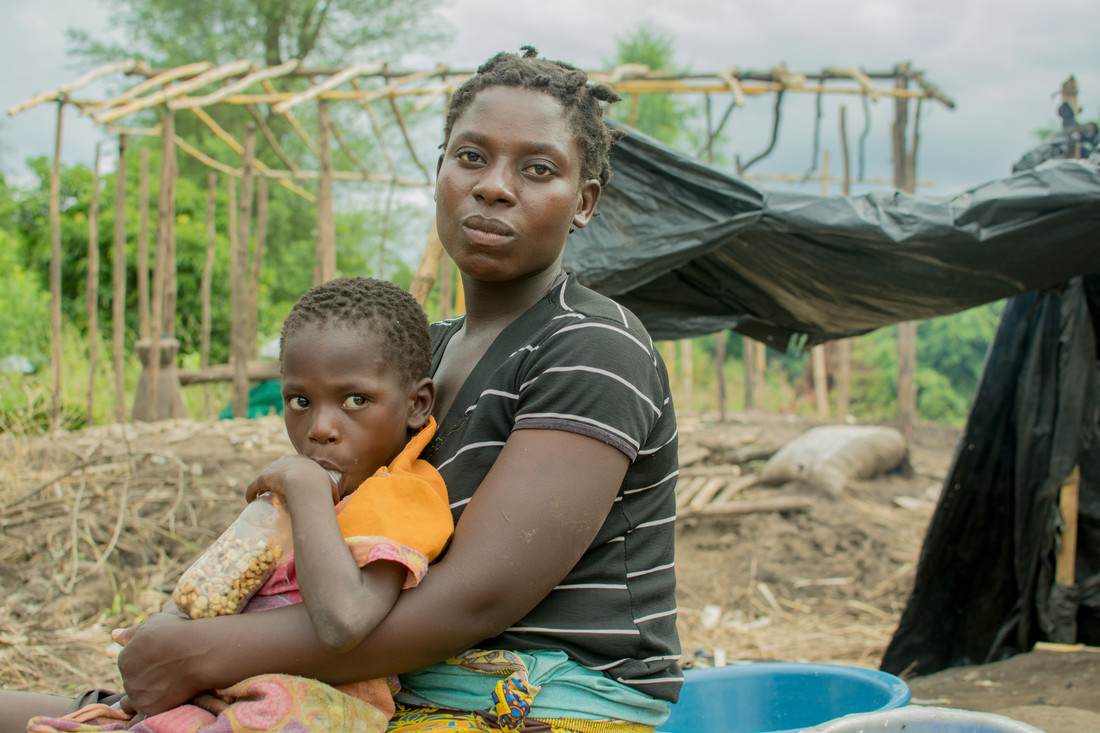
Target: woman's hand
{"points": [[159, 663]]}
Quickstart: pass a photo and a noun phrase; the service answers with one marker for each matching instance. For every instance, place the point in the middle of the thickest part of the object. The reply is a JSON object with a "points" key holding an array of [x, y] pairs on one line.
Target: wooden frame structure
{"points": [[283, 92]]}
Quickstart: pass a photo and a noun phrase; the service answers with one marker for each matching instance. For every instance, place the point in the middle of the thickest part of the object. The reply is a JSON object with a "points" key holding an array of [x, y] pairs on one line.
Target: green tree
{"points": [[950, 357], [170, 33], [657, 115]]}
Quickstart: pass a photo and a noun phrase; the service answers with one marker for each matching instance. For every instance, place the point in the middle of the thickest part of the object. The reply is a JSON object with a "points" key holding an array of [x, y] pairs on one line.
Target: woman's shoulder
{"points": [[576, 303]]}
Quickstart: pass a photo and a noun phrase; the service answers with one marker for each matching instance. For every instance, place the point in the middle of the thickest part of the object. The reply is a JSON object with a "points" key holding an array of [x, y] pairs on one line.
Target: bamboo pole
{"points": [[154, 80], [172, 91], [55, 274], [62, 92], [239, 325], [333, 81], [206, 284], [257, 75], [91, 290], [325, 268], [144, 330], [118, 282], [272, 140], [408, 141]]}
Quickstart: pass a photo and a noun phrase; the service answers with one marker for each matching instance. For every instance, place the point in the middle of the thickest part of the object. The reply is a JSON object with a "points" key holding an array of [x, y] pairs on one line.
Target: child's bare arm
{"points": [[345, 602]]}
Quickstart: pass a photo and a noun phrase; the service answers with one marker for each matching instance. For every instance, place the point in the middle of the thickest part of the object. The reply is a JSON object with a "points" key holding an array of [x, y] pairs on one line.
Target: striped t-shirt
{"points": [[579, 362]]}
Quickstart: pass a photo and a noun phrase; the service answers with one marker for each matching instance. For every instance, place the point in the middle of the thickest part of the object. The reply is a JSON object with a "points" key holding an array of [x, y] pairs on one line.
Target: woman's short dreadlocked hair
{"points": [[366, 304], [565, 83]]}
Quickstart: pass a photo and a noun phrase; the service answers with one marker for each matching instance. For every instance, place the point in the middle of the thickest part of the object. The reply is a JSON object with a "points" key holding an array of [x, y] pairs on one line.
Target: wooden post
{"points": [[166, 220], [1068, 501], [325, 267], [844, 346], [817, 353], [720, 337], [446, 286], [171, 275], [748, 362], [257, 265], [144, 331], [687, 373], [720, 372], [907, 331], [55, 274], [426, 271], [118, 283], [239, 325], [206, 284], [1065, 567], [91, 290]]}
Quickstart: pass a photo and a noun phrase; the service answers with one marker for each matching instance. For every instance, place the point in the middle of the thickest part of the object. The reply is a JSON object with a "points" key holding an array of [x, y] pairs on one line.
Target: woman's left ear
{"points": [[586, 206], [421, 401]]}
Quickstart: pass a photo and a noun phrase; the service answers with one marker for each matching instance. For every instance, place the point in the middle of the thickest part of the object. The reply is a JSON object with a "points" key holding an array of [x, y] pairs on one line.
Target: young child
{"points": [[357, 407]]}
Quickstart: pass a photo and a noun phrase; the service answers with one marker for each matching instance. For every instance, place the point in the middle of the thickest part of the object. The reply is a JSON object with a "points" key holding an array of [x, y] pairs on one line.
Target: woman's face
{"points": [[509, 185]]}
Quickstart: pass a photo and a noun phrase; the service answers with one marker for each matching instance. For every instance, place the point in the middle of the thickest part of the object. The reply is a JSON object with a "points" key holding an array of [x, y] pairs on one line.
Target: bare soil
{"points": [[96, 525]]}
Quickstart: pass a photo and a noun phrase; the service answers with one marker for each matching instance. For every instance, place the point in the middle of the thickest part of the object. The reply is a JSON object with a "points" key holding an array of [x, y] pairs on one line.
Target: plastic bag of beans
{"points": [[223, 579]]}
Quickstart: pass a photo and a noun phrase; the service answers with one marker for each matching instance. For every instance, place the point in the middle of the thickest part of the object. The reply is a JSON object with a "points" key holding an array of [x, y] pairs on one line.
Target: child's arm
{"points": [[345, 602]]}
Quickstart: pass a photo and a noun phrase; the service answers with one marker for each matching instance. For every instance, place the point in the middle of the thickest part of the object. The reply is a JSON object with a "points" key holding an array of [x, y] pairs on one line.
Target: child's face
{"points": [[343, 405], [509, 185]]}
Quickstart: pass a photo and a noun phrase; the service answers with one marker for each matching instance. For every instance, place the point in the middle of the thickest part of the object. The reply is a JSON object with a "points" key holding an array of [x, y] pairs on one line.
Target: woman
{"points": [[557, 440]]}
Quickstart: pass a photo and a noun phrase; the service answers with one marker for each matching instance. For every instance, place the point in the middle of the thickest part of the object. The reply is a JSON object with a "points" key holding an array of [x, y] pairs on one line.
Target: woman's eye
{"points": [[356, 400], [540, 170], [469, 156]]}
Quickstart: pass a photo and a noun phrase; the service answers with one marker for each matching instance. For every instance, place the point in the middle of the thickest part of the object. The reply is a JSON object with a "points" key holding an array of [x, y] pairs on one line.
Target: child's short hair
{"points": [[565, 83], [365, 303]]}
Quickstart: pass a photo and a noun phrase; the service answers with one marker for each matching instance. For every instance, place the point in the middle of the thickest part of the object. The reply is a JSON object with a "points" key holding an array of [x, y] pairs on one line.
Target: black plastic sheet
{"points": [[692, 250], [985, 586]]}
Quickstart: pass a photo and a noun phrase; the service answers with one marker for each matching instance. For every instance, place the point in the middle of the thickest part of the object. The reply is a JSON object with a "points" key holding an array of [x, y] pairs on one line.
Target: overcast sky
{"points": [[1002, 61]]}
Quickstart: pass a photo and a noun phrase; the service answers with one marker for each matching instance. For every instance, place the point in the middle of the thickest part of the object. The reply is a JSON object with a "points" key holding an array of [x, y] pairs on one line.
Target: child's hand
{"points": [[291, 474]]}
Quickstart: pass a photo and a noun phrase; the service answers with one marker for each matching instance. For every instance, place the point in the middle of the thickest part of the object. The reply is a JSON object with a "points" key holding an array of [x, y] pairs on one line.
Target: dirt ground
{"points": [[95, 526]]}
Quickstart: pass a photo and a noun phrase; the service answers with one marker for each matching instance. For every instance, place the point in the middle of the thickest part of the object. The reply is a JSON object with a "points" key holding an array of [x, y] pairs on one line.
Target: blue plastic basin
{"points": [[779, 697]]}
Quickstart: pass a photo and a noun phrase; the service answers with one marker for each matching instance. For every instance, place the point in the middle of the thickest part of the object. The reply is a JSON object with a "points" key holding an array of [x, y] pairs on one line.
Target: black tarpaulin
{"points": [[692, 250], [985, 586]]}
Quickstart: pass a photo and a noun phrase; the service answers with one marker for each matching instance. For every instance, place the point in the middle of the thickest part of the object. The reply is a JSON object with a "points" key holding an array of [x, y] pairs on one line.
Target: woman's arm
{"points": [[532, 518]]}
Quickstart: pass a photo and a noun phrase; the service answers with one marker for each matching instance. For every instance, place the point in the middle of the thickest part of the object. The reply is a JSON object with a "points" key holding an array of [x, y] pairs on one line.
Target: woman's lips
{"points": [[484, 230]]}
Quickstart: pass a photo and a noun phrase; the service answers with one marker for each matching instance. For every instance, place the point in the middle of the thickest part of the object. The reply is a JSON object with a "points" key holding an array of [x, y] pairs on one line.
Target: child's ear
{"points": [[421, 401], [586, 204]]}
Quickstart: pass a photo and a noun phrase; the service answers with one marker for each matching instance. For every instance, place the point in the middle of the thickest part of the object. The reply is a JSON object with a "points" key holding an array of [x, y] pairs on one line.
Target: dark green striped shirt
{"points": [[579, 362]]}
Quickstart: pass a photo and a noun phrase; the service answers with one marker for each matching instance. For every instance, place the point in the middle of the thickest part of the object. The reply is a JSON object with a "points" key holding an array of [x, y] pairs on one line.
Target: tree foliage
{"points": [[171, 33], [657, 115]]}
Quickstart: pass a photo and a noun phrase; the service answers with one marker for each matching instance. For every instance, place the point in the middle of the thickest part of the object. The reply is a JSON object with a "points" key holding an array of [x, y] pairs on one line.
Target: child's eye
{"points": [[355, 400], [295, 402], [540, 170]]}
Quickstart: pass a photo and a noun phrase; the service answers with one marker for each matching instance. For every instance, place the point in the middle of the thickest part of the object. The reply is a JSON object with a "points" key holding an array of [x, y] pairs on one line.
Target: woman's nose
{"points": [[495, 184]]}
